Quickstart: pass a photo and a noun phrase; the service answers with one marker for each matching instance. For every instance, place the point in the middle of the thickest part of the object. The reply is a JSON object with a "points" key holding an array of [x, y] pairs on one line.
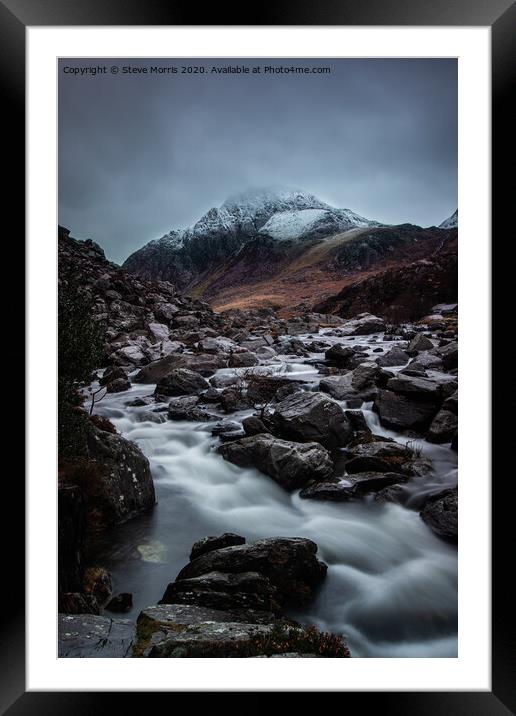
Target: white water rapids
{"points": [[391, 586]]}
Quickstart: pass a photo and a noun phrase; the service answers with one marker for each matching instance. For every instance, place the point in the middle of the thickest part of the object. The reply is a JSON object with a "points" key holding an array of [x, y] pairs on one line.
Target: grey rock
{"points": [[309, 417], [440, 513], [420, 343], [290, 563], [290, 464], [399, 412], [181, 381], [222, 590], [89, 635], [124, 484], [394, 357]]}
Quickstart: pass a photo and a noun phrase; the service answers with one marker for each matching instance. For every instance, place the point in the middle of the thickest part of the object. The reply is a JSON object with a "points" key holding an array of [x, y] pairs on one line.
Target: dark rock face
{"points": [[71, 532], [400, 412], [440, 513], [220, 590], [208, 544], [290, 564], [123, 479], [89, 635], [143, 318], [290, 464], [181, 381], [311, 417], [409, 290], [78, 603]]}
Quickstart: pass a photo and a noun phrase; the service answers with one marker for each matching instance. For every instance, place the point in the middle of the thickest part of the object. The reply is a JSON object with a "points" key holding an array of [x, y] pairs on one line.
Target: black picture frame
{"points": [[15, 16]]}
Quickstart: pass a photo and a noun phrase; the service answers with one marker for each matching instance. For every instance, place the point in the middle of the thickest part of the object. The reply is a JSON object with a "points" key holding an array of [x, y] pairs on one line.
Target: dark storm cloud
{"points": [[141, 154]]}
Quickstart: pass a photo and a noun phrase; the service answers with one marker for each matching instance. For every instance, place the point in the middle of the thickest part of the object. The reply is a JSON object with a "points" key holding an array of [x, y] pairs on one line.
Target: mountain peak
{"points": [[451, 222], [269, 197]]}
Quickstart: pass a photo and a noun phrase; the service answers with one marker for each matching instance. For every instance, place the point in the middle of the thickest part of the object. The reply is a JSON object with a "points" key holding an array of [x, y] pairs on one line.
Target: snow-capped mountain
{"points": [[451, 222], [279, 213]]}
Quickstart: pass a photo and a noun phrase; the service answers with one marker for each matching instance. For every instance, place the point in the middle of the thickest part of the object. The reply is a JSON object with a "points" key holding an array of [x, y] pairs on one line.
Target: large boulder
{"points": [[309, 417], [292, 465], [364, 324], [222, 590], [357, 384], [121, 480], [421, 389], [400, 412], [186, 407], [420, 343], [340, 355], [440, 513], [181, 381], [380, 455], [290, 563], [205, 364], [396, 356], [129, 355], [188, 631]]}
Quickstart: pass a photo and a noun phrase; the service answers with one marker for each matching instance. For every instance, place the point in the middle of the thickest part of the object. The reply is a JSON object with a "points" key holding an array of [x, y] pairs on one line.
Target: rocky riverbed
{"points": [[324, 446]]}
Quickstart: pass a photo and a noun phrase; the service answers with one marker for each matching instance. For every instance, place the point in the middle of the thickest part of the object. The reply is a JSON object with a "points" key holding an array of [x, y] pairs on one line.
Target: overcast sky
{"points": [[142, 154]]}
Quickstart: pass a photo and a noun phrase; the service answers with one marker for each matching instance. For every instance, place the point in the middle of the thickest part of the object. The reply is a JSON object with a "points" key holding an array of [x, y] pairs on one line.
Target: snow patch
{"points": [[292, 224]]}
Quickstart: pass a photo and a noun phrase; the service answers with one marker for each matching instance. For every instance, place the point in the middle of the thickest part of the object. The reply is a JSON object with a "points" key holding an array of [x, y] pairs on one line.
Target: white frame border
{"points": [[471, 670]]}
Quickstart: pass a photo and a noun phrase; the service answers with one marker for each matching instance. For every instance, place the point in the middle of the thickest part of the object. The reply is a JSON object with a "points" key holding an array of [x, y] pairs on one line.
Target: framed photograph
{"points": [[253, 250]]}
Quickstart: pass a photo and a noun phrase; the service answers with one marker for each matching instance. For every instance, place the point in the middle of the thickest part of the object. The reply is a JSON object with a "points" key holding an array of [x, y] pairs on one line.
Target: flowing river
{"points": [[391, 587]]}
